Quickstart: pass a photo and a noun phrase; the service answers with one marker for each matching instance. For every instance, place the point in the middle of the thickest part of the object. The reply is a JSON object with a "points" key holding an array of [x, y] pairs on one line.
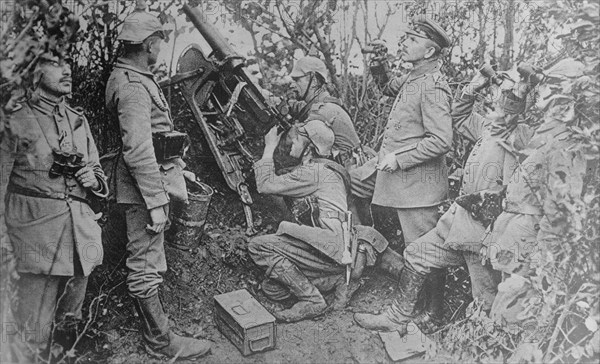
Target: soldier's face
{"points": [[414, 49], [301, 84], [55, 76]]}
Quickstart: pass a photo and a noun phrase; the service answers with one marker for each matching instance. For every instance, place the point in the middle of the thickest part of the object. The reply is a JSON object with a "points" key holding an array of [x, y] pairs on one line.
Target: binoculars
{"points": [[489, 72], [65, 163], [376, 49], [531, 73]]}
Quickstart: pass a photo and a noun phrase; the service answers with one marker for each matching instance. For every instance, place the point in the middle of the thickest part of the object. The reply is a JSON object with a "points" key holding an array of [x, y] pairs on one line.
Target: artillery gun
{"points": [[225, 105]]}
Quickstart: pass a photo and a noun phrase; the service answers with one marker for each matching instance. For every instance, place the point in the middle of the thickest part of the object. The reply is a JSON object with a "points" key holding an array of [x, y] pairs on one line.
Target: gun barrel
{"points": [[216, 41]]}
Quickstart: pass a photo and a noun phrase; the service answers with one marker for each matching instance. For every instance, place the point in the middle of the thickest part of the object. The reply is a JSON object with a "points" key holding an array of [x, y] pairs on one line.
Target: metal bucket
{"points": [[188, 218]]}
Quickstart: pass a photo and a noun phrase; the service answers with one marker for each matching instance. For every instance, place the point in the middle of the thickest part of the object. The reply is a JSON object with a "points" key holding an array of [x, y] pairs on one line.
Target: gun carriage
{"points": [[224, 103]]}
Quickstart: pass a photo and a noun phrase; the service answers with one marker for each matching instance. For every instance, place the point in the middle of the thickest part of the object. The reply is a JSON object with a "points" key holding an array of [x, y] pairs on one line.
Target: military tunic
{"points": [[457, 237], [419, 133], [50, 235], [142, 183], [532, 223], [322, 244]]}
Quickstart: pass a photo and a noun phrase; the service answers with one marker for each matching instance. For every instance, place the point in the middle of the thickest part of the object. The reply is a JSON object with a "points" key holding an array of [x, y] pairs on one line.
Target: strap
{"points": [[339, 169], [338, 215], [12, 188]]}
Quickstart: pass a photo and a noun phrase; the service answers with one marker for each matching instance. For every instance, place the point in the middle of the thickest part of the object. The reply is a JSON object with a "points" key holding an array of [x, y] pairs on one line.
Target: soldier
{"points": [[535, 220], [306, 259], [410, 172], [54, 169], [310, 81], [457, 237], [147, 180]]}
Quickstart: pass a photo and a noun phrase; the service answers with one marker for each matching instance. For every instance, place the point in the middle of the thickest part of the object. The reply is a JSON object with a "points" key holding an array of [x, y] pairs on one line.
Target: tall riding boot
{"points": [[342, 292], [433, 301], [391, 262], [310, 301], [402, 310], [159, 340]]}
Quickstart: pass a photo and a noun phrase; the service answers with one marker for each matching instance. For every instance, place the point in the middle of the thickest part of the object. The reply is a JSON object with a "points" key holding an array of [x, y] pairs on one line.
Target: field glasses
{"points": [[532, 74], [65, 163], [376, 49]]}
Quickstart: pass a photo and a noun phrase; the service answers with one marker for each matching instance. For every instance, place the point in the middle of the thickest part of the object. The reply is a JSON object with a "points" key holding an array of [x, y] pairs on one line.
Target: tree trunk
{"points": [[507, 48]]}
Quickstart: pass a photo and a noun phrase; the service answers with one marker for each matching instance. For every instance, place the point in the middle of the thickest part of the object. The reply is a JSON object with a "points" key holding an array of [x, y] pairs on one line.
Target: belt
{"points": [[52, 195], [338, 215]]}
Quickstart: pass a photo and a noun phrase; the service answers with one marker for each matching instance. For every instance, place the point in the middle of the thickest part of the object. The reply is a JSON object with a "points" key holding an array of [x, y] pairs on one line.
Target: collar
{"points": [[47, 106], [128, 64], [322, 94], [424, 68]]}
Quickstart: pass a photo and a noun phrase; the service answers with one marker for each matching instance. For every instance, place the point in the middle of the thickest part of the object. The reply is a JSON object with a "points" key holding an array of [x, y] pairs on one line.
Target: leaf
{"points": [[591, 324], [583, 304]]}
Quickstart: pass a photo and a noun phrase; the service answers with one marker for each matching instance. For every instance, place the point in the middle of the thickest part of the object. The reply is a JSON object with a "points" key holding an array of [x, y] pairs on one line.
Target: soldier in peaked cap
{"points": [[410, 172], [146, 181]]}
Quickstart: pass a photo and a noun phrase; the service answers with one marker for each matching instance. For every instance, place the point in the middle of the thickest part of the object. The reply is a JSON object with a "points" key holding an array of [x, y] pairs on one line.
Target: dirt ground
{"points": [[218, 264]]}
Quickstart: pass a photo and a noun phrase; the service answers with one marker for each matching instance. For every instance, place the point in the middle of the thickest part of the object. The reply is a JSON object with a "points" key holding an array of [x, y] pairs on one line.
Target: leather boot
{"points": [[342, 292], [310, 301], [274, 290], [436, 282], [391, 262], [159, 340], [402, 310]]}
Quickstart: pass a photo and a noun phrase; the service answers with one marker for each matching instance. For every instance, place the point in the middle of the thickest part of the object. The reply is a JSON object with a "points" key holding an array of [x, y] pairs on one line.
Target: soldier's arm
{"points": [[391, 87], [94, 162], [300, 182], [437, 122], [134, 113], [465, 121], [7, 160]]}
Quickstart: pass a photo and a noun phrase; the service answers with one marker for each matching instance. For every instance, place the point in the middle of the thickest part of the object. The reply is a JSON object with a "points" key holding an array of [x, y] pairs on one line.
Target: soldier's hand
{"points": [[87, 178], [272, 138], [159, 220], [478, 83], [189, 175], [388, 164]]}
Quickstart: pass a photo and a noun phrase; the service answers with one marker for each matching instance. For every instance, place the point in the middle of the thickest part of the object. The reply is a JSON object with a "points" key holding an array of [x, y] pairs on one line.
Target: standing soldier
{"points": [[146, 179], [54, 168], [456, 239], [410, 173]]}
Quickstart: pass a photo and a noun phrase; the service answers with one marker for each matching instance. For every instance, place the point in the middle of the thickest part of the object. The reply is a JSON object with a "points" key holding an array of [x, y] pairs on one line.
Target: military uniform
{"points": [[145, 182], [419, 132], [531, 225], [456, 239], [142, 182], [53, 231]]}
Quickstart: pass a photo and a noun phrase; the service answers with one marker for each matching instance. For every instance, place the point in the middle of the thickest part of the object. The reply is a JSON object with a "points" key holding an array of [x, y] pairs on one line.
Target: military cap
{"points": [[138, 26], [429, 29], [309, 64], [319, 134]]}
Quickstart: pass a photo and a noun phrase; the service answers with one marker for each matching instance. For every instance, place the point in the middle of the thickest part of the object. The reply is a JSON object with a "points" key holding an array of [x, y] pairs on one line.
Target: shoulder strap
{"points": [[339, 169]]}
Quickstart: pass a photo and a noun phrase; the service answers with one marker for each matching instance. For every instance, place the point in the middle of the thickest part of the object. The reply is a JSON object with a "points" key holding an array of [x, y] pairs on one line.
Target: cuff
{"points": [[102, 190]]}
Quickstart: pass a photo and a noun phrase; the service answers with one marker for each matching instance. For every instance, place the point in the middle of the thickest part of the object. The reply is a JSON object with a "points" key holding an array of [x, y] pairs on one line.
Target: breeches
{"points": [[146, 259], [269, 250], [46, 300], [432, 251]]}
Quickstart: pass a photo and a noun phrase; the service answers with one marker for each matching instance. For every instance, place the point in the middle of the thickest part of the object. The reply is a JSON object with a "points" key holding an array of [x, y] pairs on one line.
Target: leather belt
{"points": [[521, 208], [52, 195]]}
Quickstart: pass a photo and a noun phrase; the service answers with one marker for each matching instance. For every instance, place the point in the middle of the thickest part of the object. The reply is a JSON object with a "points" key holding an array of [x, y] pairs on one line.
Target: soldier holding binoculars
{"points": [[54, 167]]}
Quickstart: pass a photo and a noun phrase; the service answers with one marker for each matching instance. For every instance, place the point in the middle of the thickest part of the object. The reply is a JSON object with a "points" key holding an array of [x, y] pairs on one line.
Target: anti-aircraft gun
{"points": [[217, 91]]}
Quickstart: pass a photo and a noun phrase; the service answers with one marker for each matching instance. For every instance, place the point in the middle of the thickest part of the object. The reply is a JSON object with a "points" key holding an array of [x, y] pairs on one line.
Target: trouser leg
{"points": [[484, 279], [68, 310], [146, 259]]}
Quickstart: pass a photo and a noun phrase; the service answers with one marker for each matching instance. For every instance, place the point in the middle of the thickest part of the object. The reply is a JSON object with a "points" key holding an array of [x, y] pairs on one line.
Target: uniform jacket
{"points": [[309, 179], [419, 132], [338, 119], [45, 232], [134, 97], [489, 166], [532, 220]]}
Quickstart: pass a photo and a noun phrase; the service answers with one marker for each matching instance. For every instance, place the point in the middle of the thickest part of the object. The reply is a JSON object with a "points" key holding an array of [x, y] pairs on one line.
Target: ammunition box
{"points": [[245, 322]]}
